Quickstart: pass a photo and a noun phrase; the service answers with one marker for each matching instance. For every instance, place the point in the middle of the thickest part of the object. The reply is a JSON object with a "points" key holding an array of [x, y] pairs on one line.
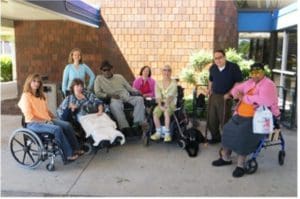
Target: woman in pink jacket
{"points": [[145, 84], [238, 133]]}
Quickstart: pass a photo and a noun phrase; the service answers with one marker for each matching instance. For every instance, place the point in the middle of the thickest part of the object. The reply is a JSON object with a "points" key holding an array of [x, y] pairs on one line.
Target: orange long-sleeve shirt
{"points": [[34, 108]]}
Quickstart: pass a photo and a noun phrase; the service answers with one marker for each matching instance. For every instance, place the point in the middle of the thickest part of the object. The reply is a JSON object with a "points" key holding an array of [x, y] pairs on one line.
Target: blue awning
{"points": [[267, 21], [75, 10]]}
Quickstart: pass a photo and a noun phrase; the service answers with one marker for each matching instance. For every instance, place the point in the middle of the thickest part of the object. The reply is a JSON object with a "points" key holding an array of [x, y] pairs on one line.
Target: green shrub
{"points": [[6, 68], [188, 104], [196, 73], [199, 60]]}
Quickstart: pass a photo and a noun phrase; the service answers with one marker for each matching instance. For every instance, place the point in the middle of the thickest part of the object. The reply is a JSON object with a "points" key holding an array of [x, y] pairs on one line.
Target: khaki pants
{"points": [[216, 116], [117, 109]]}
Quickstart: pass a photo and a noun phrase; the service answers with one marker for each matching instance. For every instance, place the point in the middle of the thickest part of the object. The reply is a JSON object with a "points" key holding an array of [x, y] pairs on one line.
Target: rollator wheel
{"points": [[87, 147], [50, 167], [281, 156], [251, 166], [25, 148]]}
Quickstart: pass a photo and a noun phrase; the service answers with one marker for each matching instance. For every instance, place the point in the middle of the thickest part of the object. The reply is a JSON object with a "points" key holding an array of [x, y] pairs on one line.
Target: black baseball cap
{"points": [[105, 64]]}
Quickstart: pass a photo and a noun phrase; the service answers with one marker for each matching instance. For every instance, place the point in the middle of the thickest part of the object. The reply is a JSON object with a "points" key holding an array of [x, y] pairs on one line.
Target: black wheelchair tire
{"points": [[29, 140], [50, 167], [251, 166]]}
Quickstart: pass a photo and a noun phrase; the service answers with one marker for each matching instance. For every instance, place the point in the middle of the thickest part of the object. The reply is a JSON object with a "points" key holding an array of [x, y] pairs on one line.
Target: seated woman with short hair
{"points": [[166, 97], [145, 84], [238, 133], [89, 113]]}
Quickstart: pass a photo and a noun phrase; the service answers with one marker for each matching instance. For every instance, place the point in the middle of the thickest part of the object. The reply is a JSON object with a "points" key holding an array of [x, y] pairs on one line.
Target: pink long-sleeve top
{"points": [[139, 82], [265, 93]]}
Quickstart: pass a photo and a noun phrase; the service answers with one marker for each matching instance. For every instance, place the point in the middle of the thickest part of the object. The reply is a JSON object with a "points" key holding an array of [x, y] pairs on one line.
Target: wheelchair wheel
{"points": [[251, 166], [87, 147], [26, 148], [281, 156], [181, 143], [50, 167]]}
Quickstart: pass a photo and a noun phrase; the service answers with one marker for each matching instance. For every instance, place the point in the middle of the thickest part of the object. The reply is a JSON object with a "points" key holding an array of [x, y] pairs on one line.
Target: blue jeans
{"points": [[62, 131]]}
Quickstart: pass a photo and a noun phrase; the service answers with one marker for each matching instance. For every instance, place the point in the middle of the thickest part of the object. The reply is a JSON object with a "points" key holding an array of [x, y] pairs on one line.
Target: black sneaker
{"points": [[220, 162], [238, 172]]}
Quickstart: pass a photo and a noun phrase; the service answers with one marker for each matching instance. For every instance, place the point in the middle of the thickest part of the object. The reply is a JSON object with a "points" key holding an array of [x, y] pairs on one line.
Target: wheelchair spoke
{"points": [[24, 156], [30, 156], [18, 142], [25, 138], [16, 151], [34, 150]]}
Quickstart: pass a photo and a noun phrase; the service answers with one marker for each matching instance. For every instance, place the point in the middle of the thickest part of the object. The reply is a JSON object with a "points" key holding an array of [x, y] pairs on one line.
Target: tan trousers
{"points": [[117, 109]]}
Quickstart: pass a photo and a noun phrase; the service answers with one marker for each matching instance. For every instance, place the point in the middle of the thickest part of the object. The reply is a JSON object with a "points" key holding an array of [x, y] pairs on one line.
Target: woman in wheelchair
{"points": [[145, 84], [88, 110], [166, 96], [238, 133], [39, 118]]}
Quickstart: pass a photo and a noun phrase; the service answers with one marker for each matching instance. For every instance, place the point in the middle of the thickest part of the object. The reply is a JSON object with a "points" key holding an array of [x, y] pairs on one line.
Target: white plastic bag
{"points": [[263, 121]]}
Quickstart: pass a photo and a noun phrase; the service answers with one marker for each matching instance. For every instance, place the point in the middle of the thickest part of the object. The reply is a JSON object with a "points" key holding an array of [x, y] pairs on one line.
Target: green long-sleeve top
{"points": [[170, 92], [115, 85]]}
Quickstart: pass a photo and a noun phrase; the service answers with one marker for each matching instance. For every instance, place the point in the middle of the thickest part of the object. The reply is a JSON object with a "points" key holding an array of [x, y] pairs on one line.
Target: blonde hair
{"points": [[70, 59], [168, 67], [27, 86]]}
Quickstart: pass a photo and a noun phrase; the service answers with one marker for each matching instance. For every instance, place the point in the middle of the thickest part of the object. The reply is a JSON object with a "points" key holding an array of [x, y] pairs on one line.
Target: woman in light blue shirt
{"points": [[76, 69]]}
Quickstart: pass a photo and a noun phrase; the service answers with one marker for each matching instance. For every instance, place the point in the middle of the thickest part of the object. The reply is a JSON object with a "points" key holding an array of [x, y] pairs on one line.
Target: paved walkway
{"points": [[157, 170]]}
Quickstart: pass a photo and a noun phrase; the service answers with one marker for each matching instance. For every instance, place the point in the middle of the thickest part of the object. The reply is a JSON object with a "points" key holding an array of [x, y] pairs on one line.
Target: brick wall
{"points": [[225, 29], [132, 34], [43, 47]]}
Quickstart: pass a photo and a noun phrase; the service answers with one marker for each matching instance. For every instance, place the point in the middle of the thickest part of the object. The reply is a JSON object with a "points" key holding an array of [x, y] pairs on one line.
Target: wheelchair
{"points": [[178, 124], [272, 139], [29, 149], [86, 143]]}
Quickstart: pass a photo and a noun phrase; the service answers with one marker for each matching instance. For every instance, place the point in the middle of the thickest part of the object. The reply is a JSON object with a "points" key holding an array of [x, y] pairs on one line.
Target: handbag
{"points": [[263, 121]]}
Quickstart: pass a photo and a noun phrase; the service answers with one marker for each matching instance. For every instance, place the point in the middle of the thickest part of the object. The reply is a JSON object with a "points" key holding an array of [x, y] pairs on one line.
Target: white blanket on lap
{"points": [[100, 128]]}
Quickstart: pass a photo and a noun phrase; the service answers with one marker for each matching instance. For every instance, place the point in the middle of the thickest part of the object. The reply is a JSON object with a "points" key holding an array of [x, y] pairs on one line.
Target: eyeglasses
{"points": [[167, 70], [218, 58], [256, 71], [105, 70]]}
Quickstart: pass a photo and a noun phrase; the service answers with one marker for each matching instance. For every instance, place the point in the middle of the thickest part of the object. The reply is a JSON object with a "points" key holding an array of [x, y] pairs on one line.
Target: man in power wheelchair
{"points": [[115, 90], [43, 136], [85, 111], [238, 135]]}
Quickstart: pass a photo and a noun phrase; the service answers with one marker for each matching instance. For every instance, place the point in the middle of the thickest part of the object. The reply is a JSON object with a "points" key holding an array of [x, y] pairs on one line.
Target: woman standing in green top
{"points": [[166, 96], [76, 69]]}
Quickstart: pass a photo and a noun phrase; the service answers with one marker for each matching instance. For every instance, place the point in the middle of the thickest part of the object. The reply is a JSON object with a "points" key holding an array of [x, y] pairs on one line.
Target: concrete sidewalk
{"points": [[157, 170]]}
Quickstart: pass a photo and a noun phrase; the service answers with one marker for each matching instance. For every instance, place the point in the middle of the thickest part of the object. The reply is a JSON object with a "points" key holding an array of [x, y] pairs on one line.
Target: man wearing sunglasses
{"points": [[223, 75], [117, 90]]}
